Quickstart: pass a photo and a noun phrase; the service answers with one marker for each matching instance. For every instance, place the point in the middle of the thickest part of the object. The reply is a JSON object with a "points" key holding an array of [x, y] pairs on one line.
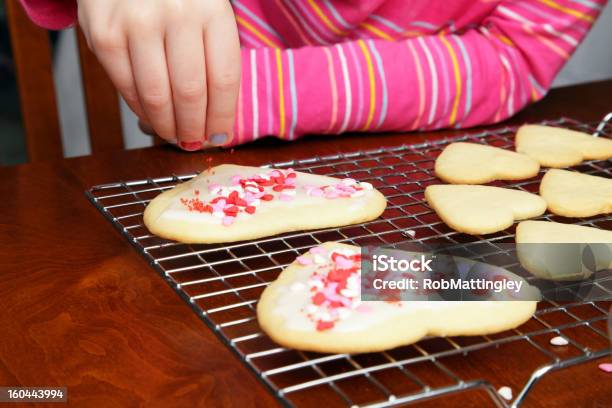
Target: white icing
{"points": [[318, 259], [312, 309], [297, 287]]}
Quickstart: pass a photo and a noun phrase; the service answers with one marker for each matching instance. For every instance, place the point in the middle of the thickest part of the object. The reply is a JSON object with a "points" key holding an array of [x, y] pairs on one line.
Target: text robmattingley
{"points": [[448, 284]]}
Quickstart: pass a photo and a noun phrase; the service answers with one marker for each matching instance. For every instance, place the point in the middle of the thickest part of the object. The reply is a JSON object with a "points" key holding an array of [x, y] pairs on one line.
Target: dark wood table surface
{"points": [[80, 308]]}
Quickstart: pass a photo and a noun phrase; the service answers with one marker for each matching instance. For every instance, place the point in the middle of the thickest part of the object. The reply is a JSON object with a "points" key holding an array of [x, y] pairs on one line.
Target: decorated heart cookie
{"points": [[471, 163], [232, 203], [315, 305], [563, 252], [480, 210], [558, 147], [573, 194]]}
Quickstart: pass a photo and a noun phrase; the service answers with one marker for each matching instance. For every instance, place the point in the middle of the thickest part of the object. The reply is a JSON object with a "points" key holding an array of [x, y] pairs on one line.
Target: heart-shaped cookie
{"points": [[315, 305], [232, 203], [558, 147], [573, 194], [563, 252], [472, 163], [480, 210]]}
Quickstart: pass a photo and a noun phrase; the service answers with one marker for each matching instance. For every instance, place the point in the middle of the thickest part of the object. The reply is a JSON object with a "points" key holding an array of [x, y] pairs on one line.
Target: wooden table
{"points": [[79, 308]]}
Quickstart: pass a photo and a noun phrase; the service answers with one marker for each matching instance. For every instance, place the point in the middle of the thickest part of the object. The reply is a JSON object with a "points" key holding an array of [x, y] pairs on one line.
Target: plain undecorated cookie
{"points": [[556, 251], [559, 147], [472, 163], [233, 203], [297, 316], [573, 194], [481, 210]]}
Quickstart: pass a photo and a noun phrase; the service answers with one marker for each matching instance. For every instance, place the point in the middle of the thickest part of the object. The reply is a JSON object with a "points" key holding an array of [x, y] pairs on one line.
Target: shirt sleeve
{"points": [[51, 14], [479, 76]]}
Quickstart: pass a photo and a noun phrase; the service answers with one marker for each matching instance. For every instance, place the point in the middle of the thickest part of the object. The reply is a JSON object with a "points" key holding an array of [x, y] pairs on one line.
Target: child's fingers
{"points": [[222, 49], [185, 54], [114, 57], [148, 58]]}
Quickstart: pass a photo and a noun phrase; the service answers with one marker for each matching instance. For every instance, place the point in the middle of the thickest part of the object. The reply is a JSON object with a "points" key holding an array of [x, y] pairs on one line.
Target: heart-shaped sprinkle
{"points": [[304, 260], [343, 263]]}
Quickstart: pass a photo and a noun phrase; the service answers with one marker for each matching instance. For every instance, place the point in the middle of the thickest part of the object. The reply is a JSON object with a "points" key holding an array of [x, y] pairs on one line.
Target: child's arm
{"points": [[479, 76]]}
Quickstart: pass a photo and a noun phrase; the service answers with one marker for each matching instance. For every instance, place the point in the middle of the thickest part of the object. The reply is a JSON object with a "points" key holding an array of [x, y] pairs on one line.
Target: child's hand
{"points": [[175, 62]]}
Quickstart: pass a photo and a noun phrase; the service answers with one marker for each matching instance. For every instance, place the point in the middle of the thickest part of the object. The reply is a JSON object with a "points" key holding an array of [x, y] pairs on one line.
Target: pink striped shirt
{"points": [[332, 66]]}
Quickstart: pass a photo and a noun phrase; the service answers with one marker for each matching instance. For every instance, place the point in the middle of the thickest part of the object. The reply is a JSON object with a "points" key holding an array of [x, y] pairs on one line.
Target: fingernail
{"points": [[218, 139], [191, 146]]}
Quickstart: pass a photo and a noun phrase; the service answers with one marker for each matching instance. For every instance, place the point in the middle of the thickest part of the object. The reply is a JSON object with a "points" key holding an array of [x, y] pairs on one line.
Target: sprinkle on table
{"points": [[559, 341], [505, 392], [605, 367]]}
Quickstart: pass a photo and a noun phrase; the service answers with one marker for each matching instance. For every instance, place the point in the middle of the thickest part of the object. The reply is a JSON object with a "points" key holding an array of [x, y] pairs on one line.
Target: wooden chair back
{"points": [[34, 68]]}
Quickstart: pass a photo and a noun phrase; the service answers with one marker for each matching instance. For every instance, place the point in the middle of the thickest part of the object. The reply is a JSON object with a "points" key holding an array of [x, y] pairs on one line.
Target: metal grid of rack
{"points": [[222, 284]]}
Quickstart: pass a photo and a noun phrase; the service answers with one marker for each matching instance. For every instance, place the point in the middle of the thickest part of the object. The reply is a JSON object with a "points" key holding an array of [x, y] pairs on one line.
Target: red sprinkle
{"points": [[321, 325], [338, 278], [233, 210], [232, 197], [234, 203], [195, 204], [338, 275], [318, 298]]}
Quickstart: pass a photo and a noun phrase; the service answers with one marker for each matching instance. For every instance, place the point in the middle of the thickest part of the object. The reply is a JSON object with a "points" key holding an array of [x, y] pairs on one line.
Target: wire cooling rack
{"points": [[222, 284]]}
